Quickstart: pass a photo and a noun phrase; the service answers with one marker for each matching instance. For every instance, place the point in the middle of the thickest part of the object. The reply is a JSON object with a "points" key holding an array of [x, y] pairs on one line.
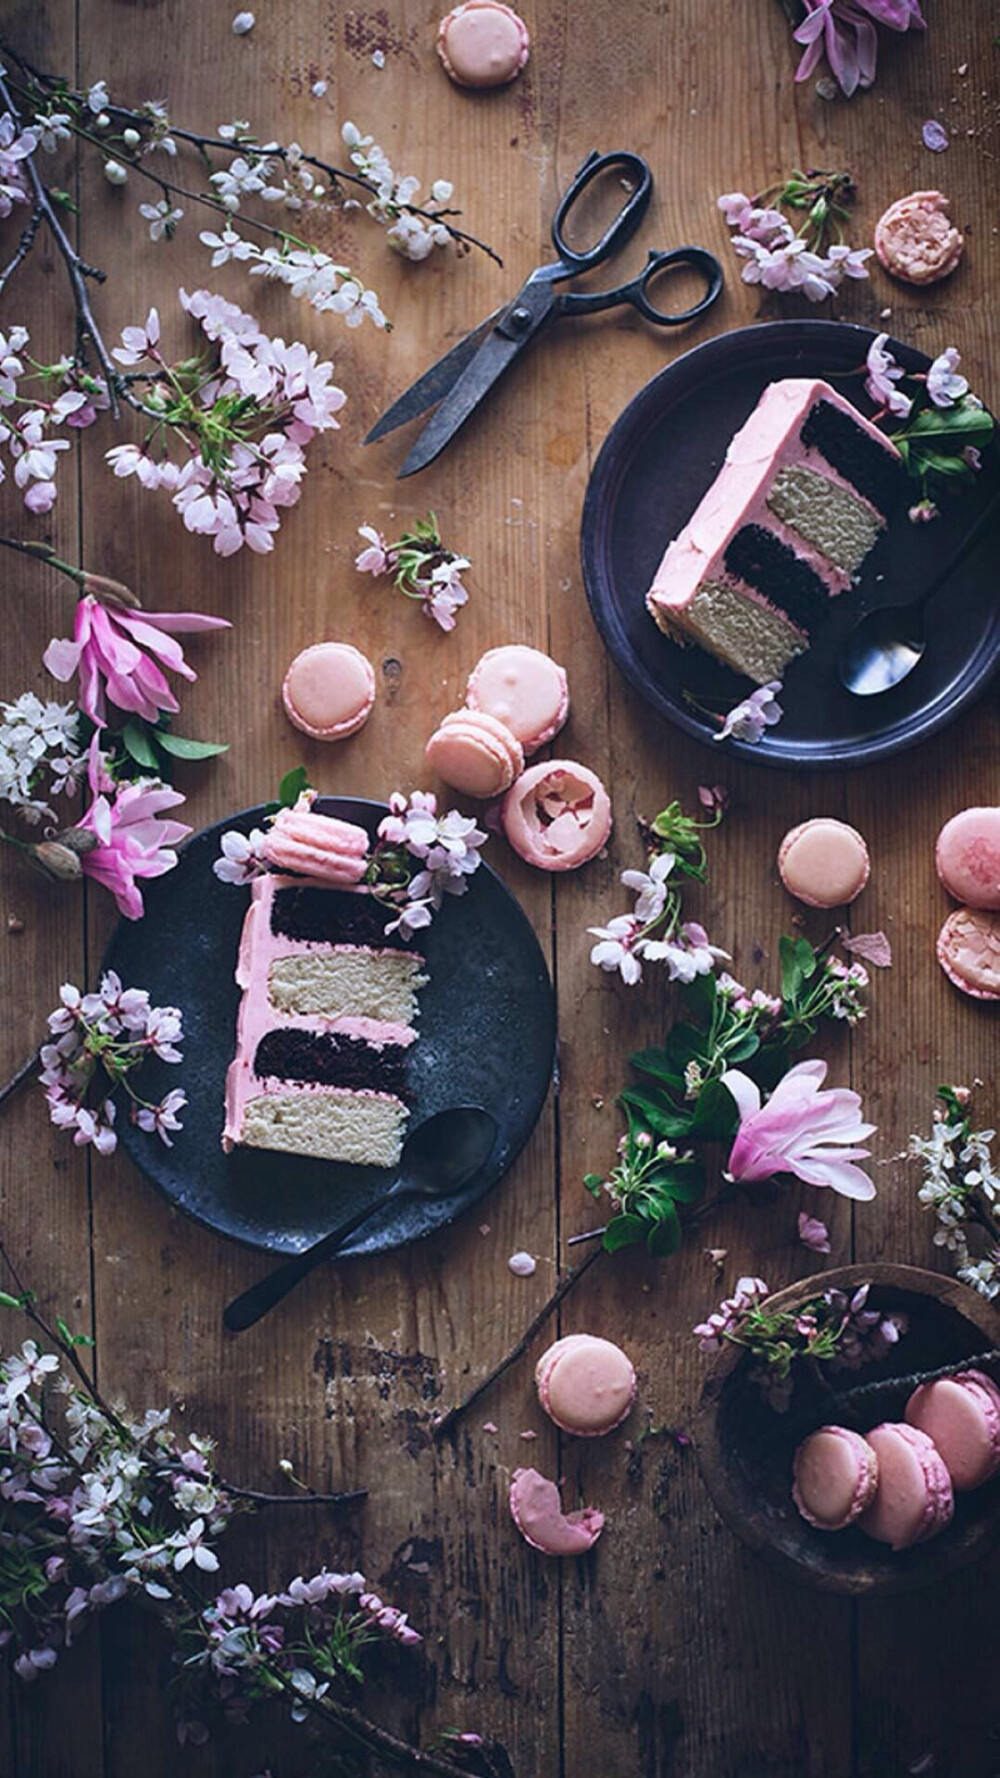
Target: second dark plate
{"points": [[661, 456]]}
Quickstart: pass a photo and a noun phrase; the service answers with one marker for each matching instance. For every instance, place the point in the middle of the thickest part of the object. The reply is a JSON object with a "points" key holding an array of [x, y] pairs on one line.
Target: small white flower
{"points": [[97, 96], [242, 23], [162, 219]]}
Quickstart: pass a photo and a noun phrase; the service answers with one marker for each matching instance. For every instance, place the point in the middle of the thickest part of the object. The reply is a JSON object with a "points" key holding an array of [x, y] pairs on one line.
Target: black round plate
{"points": [[661, 456], [487, 1037]]}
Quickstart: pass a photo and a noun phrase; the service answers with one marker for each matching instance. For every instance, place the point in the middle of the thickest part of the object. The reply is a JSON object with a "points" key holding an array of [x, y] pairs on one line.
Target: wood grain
{"points": [[670, 1650]]}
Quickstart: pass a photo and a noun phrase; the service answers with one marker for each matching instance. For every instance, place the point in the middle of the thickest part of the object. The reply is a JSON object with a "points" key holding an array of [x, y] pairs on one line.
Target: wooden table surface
{"points": [[670, 1650]]}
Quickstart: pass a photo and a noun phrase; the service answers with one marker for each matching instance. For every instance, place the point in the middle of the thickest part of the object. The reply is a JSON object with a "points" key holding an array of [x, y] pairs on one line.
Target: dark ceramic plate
{"points": [[661, 456], [487, 1037], [746, 1450]]}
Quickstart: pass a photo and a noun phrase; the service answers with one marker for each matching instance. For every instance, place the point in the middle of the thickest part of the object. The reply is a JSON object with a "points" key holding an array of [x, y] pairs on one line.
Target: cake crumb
{"points": [[527, 1435], [490, 1426]]}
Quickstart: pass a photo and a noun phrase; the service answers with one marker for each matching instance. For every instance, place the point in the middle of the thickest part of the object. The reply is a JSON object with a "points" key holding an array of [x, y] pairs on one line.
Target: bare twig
{"points": [[18, 1078], [305, 1497], [77, 269], [563, 1288], [25, 245]]}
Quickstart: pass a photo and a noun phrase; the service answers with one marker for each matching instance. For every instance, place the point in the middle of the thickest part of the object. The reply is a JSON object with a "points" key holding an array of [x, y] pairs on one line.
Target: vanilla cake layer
{"points": [[333, 984], [801, 498], [329, 1123]]}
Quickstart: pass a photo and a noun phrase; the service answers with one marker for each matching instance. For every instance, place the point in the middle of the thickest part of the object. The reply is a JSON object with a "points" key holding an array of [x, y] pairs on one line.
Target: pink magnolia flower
{"points": [[112, 651], [845, 32], [133, 839], [800, 1130]]}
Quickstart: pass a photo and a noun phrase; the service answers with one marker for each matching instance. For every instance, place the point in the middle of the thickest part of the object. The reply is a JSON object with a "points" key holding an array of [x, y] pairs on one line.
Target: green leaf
{"points": [[291, 787], [665, 1237], [660, 1117], [716, 1114], [657, 1063], [747, 1046], [683, 1185], [593, 1183], [139, 746], [700, 997], [798, 964], [181, 748], [623, 1231], [13, 1302]]}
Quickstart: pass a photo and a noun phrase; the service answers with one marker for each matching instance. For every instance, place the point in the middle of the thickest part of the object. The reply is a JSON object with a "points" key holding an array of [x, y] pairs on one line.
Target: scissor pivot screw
{"points": [[520, 318]]}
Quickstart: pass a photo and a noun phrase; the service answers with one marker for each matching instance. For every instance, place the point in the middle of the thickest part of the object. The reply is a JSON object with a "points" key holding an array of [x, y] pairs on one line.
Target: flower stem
{"points": [[43, 552]]}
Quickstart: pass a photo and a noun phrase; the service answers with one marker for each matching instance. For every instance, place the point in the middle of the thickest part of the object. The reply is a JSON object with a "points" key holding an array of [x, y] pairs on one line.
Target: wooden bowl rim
{"points": [[712, 1458]]}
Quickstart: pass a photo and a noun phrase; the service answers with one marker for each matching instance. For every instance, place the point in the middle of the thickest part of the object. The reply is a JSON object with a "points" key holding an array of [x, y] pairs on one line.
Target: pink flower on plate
{"points": [[800, 1130], [113, 651], [133, 839]]}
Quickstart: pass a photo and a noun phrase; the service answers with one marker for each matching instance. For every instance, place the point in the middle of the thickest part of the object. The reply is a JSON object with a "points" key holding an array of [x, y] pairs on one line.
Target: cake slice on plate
{"points": [[807, 487], [325, 1025]]}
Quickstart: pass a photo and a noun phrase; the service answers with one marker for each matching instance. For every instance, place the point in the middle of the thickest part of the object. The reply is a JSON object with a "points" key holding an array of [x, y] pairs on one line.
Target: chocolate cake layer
{"points": [[331, 1059], [759, 558], [332, 917], [874, 471]]}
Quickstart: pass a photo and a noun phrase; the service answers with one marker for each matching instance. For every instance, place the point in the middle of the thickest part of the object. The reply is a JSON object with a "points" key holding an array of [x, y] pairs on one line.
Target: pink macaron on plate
{"points": [[763, 1468]]}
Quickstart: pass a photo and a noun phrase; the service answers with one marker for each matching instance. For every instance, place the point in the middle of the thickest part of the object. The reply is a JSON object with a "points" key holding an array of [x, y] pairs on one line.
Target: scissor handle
{"points": [[622, 227], [637, 291]]}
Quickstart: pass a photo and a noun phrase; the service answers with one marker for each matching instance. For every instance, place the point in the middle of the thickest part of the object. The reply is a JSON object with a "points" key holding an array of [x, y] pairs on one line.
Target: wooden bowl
{"points": [[745, 1448]]}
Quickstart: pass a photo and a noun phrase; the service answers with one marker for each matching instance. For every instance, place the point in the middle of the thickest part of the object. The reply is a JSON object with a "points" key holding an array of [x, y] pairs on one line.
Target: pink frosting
{"points": [[767, 443], [835, 1477], [259, 948], [329, 690], [475, 753], [317, 846], [961, 1414], [557, 815], [537, 1512], [523, 688], [914, 1500]]}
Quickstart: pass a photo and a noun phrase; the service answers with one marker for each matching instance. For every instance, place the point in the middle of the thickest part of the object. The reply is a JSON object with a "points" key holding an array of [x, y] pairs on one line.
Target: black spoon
{"points": [[886, 645], [439, 1157]]}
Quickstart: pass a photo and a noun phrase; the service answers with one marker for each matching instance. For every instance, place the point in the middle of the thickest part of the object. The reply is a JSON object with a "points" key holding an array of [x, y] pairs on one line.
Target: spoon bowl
{"points": [[439, 1157]]}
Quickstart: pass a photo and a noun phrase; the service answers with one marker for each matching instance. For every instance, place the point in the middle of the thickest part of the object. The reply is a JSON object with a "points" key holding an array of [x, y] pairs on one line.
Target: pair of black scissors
{"points": [[460, 380]]}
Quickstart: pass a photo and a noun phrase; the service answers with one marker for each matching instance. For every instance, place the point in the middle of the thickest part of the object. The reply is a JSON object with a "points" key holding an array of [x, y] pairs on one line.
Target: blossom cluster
{"points": [[38, 742], [415, 237], [942, 428], [96, 1042], [421, 567], [750, 719], [834, 1328], [844, 31], [962, 1189], [33, 419], [444, 848], [778, 258], [239, 418], [16, 145], [945, 386], [654, 931]]}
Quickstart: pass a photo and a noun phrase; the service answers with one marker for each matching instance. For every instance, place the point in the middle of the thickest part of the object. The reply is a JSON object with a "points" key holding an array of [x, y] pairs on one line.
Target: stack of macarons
{"points": [[555, 814], [967, 856], [317, 846], [823, 862], [898, 1482], [586, 1385]]}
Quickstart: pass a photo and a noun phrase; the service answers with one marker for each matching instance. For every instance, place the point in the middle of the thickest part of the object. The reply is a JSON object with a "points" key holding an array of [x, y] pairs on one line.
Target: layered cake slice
{"points": [[806, 489], [325, 1024]]}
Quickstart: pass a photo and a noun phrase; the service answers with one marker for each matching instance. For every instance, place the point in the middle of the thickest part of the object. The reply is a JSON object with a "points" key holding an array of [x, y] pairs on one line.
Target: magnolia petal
{"points": [[745, 1091]]}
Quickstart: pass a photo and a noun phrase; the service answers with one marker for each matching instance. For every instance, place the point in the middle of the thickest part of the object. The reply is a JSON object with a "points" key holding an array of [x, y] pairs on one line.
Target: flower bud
{"points": [[102, 121], [109, 592], [114, 172], [59, 862], [131, 138]]}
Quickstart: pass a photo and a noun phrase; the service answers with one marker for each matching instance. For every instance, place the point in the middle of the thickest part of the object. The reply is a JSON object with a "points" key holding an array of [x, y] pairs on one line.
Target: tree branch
{"points": [[25, 245]]}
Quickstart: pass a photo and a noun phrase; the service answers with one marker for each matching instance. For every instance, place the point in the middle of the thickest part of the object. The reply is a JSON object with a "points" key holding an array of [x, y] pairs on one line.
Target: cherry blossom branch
{"points": [[77, 269], [25, 245], [451, 1418], [19, 1077]]}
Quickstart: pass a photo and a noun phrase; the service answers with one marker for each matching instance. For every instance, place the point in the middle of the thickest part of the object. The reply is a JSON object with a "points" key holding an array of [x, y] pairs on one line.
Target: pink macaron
{"points": [[962, 1416], [557, 815], [483, 43], [475, 753], [835, 1477], [967, 856], [316, 845], [585, 1384], [968, 950], [537, 1512], [329, 690], [523, 688], [914, 1499], [823, 863]]}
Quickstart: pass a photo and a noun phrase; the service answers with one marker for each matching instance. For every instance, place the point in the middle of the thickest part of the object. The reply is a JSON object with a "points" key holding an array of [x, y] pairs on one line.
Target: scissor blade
{"points": [[435, 382], [475, 381]]}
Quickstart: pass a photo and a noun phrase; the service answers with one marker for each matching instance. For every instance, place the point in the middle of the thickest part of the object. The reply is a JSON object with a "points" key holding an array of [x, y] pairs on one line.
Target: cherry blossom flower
{"points": [[118, 654], [650, 886], [813, 1234], [944, 385], [378, 557], [242, 857], [748, 720], [15, 148], [800, 1130], [37, 741], [162, 1118], [883, 374], [162, 218], [616, 947]]}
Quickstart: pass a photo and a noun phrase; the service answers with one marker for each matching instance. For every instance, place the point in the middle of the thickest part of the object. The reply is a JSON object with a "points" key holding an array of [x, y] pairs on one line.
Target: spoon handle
{"points": [[254, 1303], [972, 538]]}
